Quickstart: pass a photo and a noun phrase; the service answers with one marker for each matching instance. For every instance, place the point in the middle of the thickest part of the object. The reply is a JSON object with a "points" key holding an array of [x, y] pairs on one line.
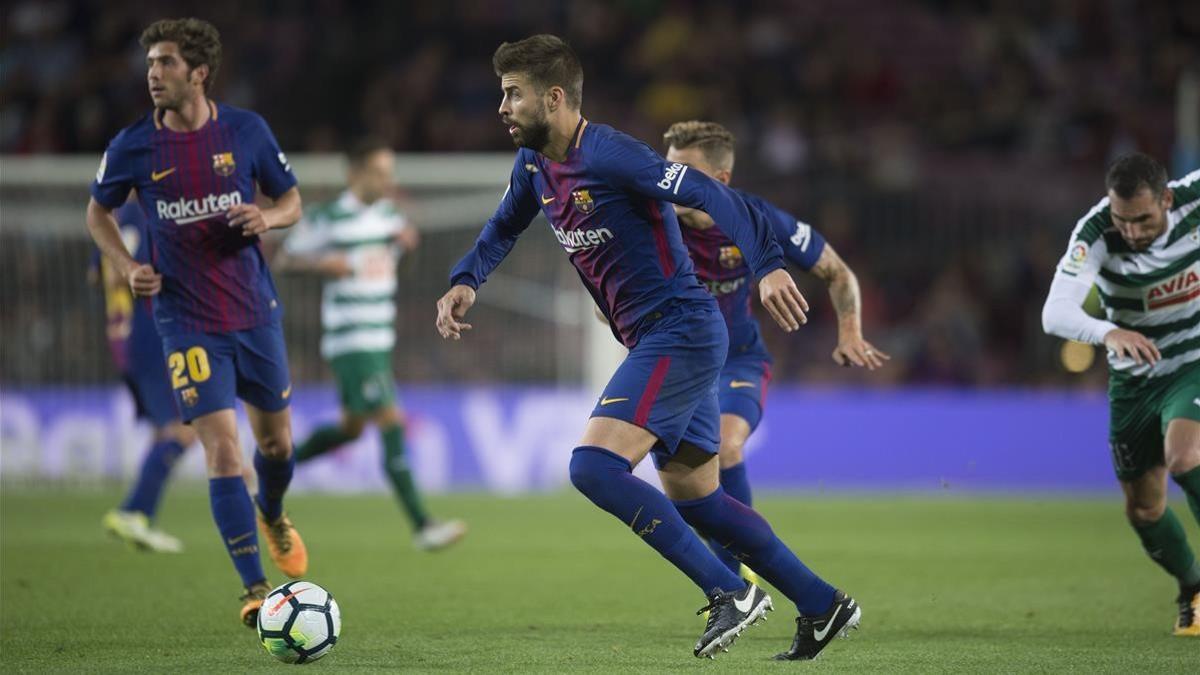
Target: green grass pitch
{"points": [[551, 584]]}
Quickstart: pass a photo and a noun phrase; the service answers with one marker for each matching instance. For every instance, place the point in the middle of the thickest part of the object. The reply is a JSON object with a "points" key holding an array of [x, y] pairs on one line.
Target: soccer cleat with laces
{"points": [[285, 546], [436, 536], [729, 613], [1188, 623], [134, 528], [812, 634], [252, 601]]}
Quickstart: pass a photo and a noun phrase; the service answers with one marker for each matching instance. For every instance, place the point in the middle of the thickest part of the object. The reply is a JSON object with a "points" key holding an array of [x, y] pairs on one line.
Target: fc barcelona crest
{"points": [[730, 257], [189, 396], [223, 164], [583, 201]]}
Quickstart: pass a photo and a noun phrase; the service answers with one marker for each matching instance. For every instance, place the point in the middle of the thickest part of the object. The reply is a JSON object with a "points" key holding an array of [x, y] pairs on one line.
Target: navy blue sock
{"points": [[606, 479], [274, 475], [234, 514], [736, 485], [735, 526], [156, 468]]}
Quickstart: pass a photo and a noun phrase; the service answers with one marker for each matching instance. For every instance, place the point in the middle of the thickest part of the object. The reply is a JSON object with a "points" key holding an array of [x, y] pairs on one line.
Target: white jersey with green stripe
{"points": [[358, 312], [1155, 291]]}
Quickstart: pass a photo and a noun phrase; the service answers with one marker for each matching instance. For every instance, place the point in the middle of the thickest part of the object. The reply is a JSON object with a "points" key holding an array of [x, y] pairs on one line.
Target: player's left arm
{"points": [[255, 220], [636, 167], [846, 296], [277, 182]]}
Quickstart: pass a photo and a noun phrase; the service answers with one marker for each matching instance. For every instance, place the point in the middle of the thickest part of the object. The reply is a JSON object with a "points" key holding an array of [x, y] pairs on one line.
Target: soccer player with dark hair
{"points": [[606, 196], [709, 147], [1140, 247], [137, 352], [195, 165], [355, 243]]}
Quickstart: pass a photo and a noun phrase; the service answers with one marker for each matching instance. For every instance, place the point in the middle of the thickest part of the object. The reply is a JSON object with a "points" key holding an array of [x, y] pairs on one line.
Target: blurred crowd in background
{"points": [[945, 148]]}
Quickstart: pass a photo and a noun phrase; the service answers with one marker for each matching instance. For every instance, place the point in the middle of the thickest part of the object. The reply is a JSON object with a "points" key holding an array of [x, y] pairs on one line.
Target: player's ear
{"points": [[199, 74], [1168, 198], [555, 97], [724, 175]]}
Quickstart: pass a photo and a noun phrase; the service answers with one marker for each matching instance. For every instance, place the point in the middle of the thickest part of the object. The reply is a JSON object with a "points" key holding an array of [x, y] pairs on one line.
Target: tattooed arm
{"points": [[851, 349]]}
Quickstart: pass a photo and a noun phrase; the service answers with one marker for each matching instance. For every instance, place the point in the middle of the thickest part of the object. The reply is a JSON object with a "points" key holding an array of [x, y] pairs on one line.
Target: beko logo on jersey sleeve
{"points": [[184, 211], [803, 236], [673, 176]]}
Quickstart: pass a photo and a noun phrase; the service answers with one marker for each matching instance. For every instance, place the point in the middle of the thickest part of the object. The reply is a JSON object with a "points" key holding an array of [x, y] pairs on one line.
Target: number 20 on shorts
{"points": [[194, 361]]}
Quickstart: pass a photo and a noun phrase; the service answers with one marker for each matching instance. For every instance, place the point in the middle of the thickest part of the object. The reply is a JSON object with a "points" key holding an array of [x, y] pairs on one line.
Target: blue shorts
{"points": [[668, 382], [151, 388], [743, 386], [209, 371]]}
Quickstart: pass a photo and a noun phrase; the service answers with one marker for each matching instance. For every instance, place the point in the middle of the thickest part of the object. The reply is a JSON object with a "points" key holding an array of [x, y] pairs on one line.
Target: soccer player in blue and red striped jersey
{"points": [[607, 197], [195, 165], [137, 352], [708, 147]]}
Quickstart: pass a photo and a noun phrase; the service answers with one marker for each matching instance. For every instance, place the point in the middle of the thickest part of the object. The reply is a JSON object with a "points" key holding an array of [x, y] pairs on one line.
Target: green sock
{"points": [[1167, 545], [396, 466], [322, 441], [1190, 482]]}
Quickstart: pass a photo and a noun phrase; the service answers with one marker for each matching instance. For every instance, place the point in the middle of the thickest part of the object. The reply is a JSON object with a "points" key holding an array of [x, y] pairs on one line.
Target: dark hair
{"points": [[199, 43], [1130, 173], [364, 147], [547, 60], [714, 141]]}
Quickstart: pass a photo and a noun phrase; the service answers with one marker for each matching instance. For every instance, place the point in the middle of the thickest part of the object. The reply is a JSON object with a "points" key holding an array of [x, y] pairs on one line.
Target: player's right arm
{"points": [[114, 180], [1063, 315], [517, 209]]}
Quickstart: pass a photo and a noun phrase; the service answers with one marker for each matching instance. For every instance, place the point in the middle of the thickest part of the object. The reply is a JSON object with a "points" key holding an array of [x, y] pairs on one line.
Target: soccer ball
{"points": [[299, 622]]}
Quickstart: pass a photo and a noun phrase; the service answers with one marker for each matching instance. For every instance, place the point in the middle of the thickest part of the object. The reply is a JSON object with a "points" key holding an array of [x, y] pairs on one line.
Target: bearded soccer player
{"points": [[195, 165], [355, 242], [709, 147], [1140, 246], [137, 352], [606, 196]]}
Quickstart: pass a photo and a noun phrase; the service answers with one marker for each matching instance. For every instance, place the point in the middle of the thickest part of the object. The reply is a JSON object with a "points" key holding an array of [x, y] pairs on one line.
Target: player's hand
{"points": [[1132, 344], [144, 281], [408, 238], [248, 217], [778, 293], [855, 351], [452, 307]]}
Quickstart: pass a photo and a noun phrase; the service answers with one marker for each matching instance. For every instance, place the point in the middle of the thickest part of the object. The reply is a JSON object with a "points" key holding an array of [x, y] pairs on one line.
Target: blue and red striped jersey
{"points": [[214, 279], [723, 271], [607, 204]]}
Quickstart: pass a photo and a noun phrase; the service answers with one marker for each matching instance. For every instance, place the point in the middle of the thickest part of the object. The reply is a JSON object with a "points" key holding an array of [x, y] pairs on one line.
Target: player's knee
{"points": [[1145, 512], [590, 466], [352, 427], [223, 459], [730, 454], [1180, 460], [276, 445]]}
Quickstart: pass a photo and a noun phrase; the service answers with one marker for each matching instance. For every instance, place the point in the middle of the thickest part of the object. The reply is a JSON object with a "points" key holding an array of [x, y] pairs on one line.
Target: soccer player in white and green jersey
{"points": [[355, 242], [1140, 246]]}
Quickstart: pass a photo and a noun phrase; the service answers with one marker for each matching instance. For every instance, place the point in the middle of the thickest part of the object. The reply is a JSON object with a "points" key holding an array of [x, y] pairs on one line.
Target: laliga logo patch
{"points": [[1075, 258], [582, 199], [730, 257], [223, 164]]}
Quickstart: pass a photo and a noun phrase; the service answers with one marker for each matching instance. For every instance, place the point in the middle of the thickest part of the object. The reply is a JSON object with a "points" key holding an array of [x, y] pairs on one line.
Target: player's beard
{"points": [[535, 135]]}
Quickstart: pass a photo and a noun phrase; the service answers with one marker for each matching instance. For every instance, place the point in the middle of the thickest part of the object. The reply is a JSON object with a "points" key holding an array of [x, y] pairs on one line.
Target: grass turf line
{"points": [[550, 584]]}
